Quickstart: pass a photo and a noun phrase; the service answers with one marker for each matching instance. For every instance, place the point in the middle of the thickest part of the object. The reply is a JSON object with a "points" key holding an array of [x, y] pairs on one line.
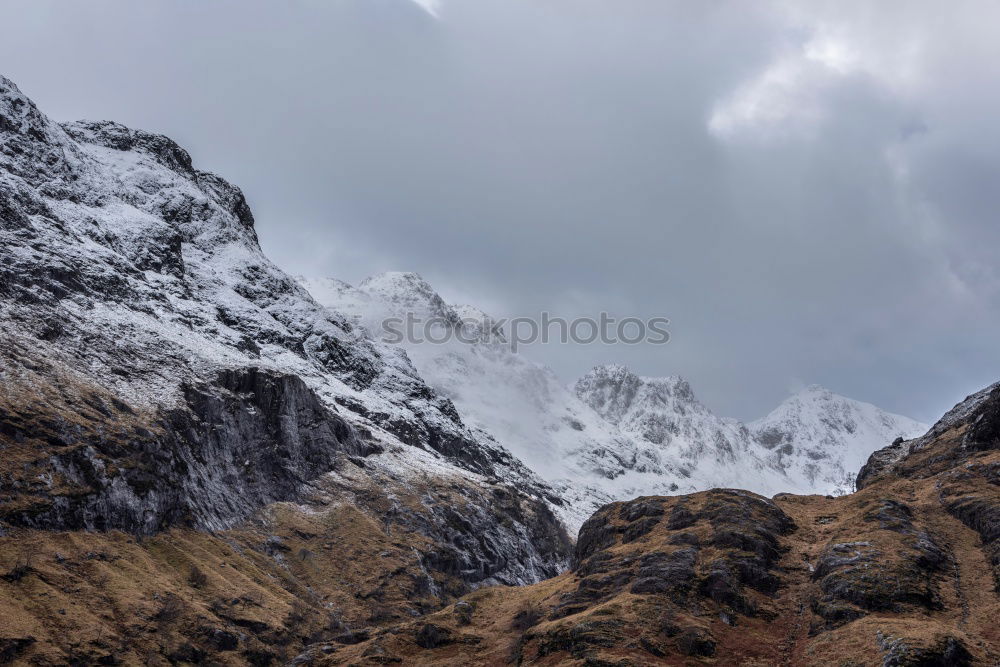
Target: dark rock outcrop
{"points": [[743, 529], [972, 425], [247, 438]]}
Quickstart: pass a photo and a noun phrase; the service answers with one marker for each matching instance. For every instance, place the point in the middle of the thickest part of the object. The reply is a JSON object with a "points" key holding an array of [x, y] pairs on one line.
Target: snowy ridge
{"points": [[125, 268], [822, 439], [615, 435]]}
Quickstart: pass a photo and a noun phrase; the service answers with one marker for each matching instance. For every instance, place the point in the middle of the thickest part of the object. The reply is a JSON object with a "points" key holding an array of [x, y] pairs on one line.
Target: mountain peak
{"points": [[609, 389], [396, 280], [35, 148], [111, 134], [402, 287], [617, 372], [816, 424], [407, 293], [613, 390], [12, 99]]}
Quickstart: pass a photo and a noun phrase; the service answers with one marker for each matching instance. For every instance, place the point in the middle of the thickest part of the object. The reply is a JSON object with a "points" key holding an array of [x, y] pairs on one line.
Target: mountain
{"points": [[823, 439], [681, 444], [520, 403], [905, 571], [167, 390], [614, 435], [201, 464]]}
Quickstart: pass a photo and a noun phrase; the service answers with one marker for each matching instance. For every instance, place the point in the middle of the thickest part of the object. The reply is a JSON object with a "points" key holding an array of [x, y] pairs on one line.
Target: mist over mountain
{"points": [[614, 435]]}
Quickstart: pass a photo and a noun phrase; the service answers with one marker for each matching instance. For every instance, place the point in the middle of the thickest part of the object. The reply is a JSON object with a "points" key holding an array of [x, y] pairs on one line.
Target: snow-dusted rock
{"points": [[978, 410], [156, 367], [614, 435], [822, 439]]}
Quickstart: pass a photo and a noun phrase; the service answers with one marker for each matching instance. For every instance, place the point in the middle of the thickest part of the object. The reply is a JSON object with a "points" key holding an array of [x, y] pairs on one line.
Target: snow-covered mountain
{"points": [[496, 391], [615, 435], [816, 438], [126, 271], [822, 439], [132, 286]]}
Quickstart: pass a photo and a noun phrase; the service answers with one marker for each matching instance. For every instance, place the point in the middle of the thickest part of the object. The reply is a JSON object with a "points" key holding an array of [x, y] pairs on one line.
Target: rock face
{"points": [[975, 419], [902, 572], [158, 373], [246, 439]]}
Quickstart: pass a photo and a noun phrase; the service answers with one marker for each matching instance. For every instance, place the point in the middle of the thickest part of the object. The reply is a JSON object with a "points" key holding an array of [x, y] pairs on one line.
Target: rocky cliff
{"points": [[163, 385]]}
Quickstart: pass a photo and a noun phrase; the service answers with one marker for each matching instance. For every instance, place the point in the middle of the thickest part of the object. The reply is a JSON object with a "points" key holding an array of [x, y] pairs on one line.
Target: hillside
{"points": [[906, 571]]}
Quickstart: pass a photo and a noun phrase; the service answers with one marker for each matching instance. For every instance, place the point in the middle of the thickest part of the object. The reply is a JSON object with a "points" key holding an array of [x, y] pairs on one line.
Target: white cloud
{"points": [[792, 93], [432, 7], [782, 97]]}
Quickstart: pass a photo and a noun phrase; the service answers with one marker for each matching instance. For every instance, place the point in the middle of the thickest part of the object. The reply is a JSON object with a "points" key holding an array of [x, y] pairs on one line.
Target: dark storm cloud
{"points": [[809, 194]]}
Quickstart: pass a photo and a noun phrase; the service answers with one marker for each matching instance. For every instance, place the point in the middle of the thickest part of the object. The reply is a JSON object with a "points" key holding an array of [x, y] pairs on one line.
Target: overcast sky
{"points": [[809, 191]]}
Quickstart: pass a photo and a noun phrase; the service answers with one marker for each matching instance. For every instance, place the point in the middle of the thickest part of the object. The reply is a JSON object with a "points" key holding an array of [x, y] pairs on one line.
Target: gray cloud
{"points": [[808, 192]]}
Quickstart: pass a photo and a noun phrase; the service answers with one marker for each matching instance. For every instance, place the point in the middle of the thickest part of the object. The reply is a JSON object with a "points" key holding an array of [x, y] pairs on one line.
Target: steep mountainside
{"points": [[904, 572], [158, 374], [615, 435]]}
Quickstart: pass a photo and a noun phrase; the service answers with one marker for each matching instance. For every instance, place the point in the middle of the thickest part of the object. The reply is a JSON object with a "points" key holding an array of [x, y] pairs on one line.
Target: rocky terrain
{"points": [[906, 571], [201, 464]]}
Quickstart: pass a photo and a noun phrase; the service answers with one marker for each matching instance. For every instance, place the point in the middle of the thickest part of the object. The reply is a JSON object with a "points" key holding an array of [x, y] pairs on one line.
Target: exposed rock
{"points": [[696, 642], [939, 651], [432, 636], [245, 439], [895, 574], [973, 421]]}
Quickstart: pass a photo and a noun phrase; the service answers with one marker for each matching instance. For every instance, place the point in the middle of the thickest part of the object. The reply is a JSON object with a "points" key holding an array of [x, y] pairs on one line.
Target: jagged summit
{"points": [[401, 297], [407, 290], [35, 148], [394, 293], [615, 392], [663, 411], [613, 434], [399, 282]]}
